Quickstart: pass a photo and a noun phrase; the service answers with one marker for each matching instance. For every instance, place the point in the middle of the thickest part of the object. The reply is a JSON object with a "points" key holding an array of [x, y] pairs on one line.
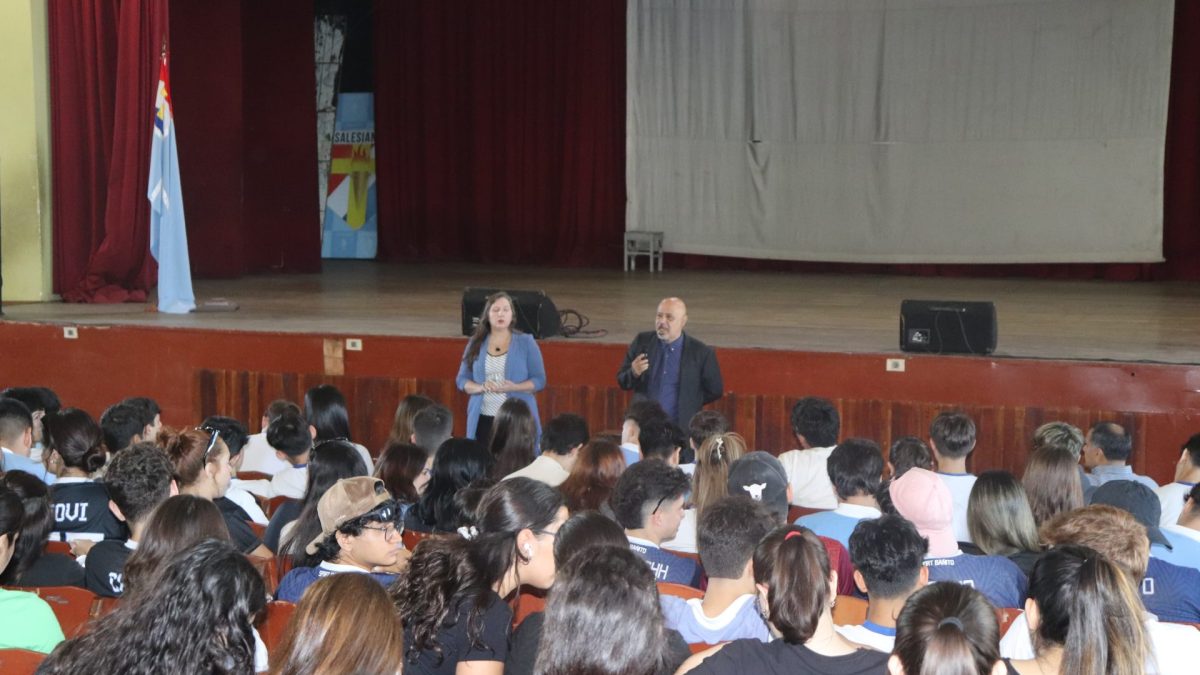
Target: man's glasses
{"points": [[659, 505], [389, 530]]}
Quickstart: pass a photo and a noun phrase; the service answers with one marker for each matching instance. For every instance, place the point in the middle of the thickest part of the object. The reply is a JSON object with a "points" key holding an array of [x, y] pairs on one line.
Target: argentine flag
{"points": [[168, 235]]}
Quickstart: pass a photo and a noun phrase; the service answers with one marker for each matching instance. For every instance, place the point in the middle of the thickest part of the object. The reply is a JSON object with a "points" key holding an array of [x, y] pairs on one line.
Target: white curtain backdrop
{"points": [[969, 131]]}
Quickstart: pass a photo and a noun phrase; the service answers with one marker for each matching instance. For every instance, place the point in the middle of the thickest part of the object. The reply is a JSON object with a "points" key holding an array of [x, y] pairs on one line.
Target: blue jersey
{"points": [[1185, 550], [667, 566], [839, 523], [996, 577], [1172, 592], [295, 582], [740, 620]]}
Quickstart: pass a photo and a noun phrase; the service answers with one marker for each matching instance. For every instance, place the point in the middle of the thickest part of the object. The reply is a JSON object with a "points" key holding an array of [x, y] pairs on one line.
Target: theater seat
{"points": [[63, 547], [849, 611], [20, 661], [1006, 615], [274, 622], [72, 606], [529, 601], [698, 647]]}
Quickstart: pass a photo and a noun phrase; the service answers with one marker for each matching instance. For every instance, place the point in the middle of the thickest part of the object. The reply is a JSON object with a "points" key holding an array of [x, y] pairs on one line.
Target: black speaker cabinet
{"points": [[535, 311], [947, 327]]}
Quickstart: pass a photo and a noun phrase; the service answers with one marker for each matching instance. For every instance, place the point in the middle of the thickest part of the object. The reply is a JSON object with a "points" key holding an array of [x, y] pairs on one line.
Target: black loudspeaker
{"points": [[947, 327], [535, 311]]}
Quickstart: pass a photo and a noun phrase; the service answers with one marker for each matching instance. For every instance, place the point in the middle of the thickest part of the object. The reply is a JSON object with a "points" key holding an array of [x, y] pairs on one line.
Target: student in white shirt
{"points": [[259, 455], [888, 555], [816, 424], [1187, 474], [290, 437], [562, 439], [952, 437], [640, 412]]}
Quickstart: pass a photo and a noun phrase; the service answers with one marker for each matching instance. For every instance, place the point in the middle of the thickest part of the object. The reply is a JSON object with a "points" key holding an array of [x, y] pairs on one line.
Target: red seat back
{"points": [[20, 661]]}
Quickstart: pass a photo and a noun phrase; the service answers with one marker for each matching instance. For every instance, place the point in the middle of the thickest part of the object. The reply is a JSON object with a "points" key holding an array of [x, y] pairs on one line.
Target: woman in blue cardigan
{"points": [[499, 363]]}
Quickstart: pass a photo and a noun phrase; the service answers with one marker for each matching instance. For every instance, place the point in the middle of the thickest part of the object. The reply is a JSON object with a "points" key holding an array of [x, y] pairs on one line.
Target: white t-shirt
{"points": [[258, 455], [543, 469], [291, 482], [865, 636], [1172, 496], [243, 499], [685, 538], [809, 478], [960, 485], [1174, 646]]}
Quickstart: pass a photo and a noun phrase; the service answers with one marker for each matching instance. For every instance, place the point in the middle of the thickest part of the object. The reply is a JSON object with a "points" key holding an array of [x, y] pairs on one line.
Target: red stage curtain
{"points": [[500, 130], [103, 76]]}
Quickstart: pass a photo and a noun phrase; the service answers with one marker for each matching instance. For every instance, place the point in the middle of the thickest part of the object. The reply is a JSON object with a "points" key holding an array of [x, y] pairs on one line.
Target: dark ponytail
{"points": [[76, 437], [792, 562], [947, 629]]}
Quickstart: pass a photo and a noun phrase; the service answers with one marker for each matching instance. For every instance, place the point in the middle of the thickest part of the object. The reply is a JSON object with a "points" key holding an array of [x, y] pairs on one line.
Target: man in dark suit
{"points": [[671, 367]]}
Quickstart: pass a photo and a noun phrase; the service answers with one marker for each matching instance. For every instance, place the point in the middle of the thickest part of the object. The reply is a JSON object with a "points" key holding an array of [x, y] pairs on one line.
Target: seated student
{"points": [[947, 628], [451, 598], [795, 588], [952, 437], [513, 438], [648, 503], [358, 534], [703, 425], [816, 425], [234, 434], [1001, 521], [1107, 451], [328, 419], [1187, 474], [41, 401], [583, 534], [292, 440], [432, 426], [1117, 536], [710, 482], [122, 426], [177, 524], [457, 464], [923, 498], [402, 421], [345, 623], [759, 476], [595, 474], [197, 618], [151, 415], [30, 565], [260, 456], [887, 553], [1185, 535], [138, 479], [26, 621], [75, 450], [729, 530], [609, 597], [1052, 483], [16, 441], [639, 413], [1086, 615], [908, 452], [401, 467], [1171, 592], [661, 439], [295, 523], [201, 468], [562, 439], [856, 469]]}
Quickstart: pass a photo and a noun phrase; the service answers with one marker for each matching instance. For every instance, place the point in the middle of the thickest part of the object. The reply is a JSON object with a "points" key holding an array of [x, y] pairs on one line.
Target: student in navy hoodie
{"points": [[648, 503], [358, 535]]}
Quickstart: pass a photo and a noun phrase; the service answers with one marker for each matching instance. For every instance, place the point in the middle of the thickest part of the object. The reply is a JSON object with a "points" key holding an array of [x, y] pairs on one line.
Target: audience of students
{"points": [[648, 503], [796, 590], [139, 479], [1000, 520], [26, 621], [451, 598], [358, 535], [562, 439], [595, 474], [344, 623], [855, 469], [816, 425], [888, 555]]}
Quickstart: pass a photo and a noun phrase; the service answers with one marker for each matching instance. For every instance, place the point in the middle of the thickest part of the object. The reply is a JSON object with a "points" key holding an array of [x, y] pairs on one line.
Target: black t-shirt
{"points": [[778, 657], [496, 625], [52, 569], [237, 520], [523, 652], [105, 572], [286, 513], [81, 508]]}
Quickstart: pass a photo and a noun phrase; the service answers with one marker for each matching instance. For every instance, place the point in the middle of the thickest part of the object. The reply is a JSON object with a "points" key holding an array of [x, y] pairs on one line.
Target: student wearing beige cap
{"points": [[358, 535]]}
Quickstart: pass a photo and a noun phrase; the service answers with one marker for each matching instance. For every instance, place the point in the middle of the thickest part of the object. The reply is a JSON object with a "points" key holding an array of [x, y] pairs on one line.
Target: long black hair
{"points": [[445, 572], [35, 526], [325, 409], [947, 628], [514, 437], [195, 620], [76, 437], [603, 617], [328, 463], [457, 463]]}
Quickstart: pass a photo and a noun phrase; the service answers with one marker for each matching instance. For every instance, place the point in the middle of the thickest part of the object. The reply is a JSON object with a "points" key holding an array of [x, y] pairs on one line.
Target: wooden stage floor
{"points": [[1089, 320]]}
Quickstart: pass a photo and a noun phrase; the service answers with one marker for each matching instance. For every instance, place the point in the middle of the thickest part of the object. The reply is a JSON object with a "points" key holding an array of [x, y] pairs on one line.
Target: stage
{"points": [[1074, 351], [858, 314]]}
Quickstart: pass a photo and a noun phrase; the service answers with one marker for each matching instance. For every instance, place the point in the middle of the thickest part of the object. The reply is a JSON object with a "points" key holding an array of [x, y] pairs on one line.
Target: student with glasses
{"points": [[358, 535], [201, 466]]}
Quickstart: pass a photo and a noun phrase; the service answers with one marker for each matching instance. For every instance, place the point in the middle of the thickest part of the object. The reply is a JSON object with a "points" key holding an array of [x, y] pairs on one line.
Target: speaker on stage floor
{"points": [[535, 311], [947, 327]]}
